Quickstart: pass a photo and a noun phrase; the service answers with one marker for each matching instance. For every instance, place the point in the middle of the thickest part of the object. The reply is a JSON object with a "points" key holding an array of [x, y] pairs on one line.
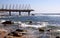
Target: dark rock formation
{"points": [[41, 30], [30, 22], [14, 34], [7, 22], [33, 14], [5, 37], [19, 30], [17, 33], [57, 37]]}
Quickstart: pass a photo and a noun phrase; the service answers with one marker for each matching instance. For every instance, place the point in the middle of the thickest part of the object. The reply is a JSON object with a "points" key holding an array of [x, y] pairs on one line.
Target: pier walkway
{"points": [[17, 8]]}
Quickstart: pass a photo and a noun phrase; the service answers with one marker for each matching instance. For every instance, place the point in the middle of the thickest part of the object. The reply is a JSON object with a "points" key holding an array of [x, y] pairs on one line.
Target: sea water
{"points": [[32, 32], [50, 19]]}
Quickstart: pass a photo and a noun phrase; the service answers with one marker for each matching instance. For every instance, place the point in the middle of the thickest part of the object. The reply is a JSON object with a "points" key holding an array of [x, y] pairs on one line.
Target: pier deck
{"points": [[16, 8]]}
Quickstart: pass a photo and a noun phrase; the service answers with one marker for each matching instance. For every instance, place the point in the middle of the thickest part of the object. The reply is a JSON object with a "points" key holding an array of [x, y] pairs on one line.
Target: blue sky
{"points": [[40, 6]]}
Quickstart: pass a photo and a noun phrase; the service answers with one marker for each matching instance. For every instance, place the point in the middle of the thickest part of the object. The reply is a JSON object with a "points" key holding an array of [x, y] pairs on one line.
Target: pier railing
{"points": [[16, 8]]}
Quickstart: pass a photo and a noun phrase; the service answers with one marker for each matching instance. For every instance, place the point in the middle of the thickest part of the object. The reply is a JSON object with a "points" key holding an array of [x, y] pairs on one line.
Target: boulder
{"points": [[15, 34], [41, 30], [57, 37], [19, 30], [7, 22]]}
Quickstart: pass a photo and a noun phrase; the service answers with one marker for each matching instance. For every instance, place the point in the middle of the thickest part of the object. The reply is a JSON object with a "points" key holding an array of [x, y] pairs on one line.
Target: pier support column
{"points": [[19, 13], [29, 13], [9, 13]]}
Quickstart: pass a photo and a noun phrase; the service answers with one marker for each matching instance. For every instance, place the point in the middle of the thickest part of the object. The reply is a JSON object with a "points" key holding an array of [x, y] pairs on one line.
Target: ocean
{"points": [[32, 32], [50, 19]]}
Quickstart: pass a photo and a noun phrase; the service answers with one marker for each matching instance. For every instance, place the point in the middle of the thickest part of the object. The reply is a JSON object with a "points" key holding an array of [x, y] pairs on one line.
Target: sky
{"points": [[40, 6]]}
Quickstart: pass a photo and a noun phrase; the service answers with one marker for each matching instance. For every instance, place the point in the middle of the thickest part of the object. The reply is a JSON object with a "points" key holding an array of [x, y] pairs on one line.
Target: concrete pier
{"points": [[26, 9]]}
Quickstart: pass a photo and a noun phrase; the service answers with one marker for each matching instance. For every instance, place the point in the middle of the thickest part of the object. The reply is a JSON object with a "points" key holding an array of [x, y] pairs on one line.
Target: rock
{"points": [[7, 22], [19, 30], [5, 37], [33, 14], [10, 34], [49, 30], [41, 30], [15, 34], [57, 37], [30, 22]]}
